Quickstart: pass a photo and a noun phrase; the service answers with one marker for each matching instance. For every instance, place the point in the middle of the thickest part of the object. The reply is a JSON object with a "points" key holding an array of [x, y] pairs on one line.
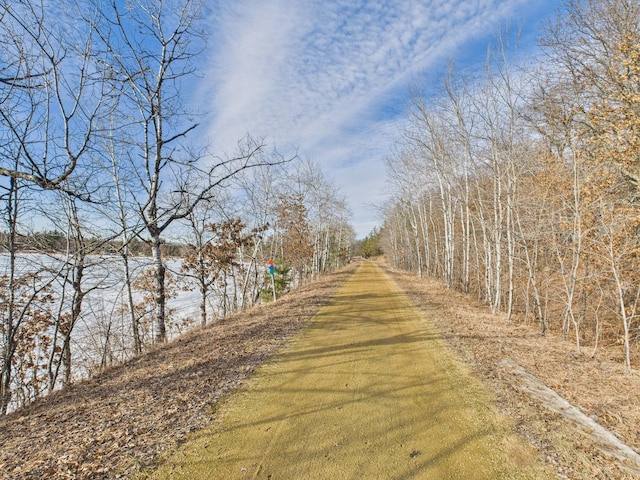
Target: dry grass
{"points": [[120, 422], [367, 391], [600, 387]]}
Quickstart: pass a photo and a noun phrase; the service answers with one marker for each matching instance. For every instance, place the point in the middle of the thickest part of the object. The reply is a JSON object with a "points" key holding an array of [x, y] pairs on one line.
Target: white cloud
{"points": [[317, 75]]}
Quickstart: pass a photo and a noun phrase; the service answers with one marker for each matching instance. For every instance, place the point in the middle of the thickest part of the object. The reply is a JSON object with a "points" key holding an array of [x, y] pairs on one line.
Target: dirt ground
{"points": [[367, 390], [120, 423], [599, 387]]}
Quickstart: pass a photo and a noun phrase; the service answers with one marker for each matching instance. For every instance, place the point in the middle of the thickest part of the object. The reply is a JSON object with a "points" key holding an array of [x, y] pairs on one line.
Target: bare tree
{"points": [[49, 114], [258, 189], [595, 47], [47, 128], [126, 227], [326, 209], [152, 46]]}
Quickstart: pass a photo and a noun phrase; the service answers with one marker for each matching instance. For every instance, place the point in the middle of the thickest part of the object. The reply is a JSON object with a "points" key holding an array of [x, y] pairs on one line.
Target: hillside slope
{"points": [[119, 422], [368, 390], [541, 382]]}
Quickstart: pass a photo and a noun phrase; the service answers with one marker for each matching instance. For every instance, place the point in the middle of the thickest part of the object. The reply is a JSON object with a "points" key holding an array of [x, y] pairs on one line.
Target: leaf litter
{"points": [[119, 423], [581, 412]]}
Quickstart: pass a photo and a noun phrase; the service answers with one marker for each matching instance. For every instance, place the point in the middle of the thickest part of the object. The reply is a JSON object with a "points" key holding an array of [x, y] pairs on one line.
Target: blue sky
{"points": [[330, 78]]}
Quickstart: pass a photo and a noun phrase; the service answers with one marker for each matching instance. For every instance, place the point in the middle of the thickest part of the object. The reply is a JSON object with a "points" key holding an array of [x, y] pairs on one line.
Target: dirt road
{"points": [[367, 391]]}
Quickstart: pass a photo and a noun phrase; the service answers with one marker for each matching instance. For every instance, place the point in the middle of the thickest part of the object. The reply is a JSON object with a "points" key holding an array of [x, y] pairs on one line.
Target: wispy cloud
{"points": [[326, 76]]}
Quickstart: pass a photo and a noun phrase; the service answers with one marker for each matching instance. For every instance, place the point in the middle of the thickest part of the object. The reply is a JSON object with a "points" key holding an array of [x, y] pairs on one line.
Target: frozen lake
{"points": [[104, 313]]}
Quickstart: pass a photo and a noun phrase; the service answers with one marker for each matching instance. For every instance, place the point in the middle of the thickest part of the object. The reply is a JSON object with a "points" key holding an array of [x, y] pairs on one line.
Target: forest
{"points": [[521, 186], [113, 203], [518, 186]]}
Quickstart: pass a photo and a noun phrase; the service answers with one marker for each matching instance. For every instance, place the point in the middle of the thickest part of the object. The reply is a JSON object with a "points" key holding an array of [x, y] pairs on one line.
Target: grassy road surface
{"points": [[367, 390]]}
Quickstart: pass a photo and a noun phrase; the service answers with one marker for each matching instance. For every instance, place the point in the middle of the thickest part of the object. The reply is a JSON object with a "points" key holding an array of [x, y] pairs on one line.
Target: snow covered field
{"points": [[103, 333]]}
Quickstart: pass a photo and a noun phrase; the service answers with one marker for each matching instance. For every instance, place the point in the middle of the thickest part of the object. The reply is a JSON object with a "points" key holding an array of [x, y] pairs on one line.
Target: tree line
{"points": [[98, 143], [521, 185]]}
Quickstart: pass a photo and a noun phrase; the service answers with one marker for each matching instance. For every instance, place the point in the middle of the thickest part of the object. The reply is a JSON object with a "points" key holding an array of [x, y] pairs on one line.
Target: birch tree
{"points": [[48, 124], [152, 46], [50, 115]]}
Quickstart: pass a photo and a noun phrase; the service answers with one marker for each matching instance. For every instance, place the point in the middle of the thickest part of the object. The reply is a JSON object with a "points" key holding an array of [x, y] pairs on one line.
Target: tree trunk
{"points": [[9, 327], [203, 304], [135, 328], [160, 294]]}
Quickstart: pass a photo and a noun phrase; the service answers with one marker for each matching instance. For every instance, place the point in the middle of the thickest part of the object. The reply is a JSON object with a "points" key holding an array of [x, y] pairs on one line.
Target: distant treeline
{"points": [[54, 241]]}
